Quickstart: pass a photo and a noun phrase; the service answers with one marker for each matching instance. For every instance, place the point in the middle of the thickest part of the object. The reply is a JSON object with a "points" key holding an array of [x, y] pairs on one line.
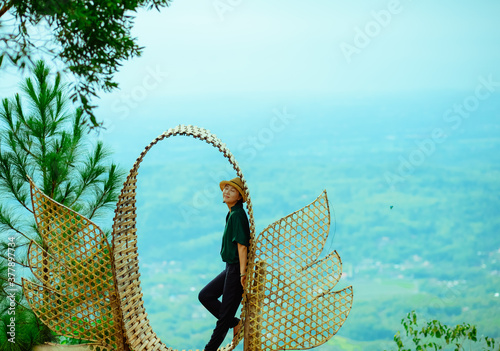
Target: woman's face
{"points": [[230, 195]]}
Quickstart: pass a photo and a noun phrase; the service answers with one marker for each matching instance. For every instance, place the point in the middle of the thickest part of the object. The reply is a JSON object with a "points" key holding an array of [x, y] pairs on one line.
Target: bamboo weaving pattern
{"points": [[76, 296], [290, 302]]}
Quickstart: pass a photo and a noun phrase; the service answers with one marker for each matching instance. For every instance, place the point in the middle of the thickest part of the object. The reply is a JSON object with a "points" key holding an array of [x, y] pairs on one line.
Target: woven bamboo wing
{"points": [[75, 296], [291, 304]]}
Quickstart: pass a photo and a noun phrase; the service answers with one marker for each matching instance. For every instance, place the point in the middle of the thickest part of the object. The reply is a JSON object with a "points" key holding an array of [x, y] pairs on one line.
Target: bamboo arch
{"points": [[138, 331]]}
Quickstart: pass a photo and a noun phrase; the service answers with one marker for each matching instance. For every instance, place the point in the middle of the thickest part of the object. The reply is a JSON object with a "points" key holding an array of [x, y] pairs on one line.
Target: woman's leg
{"points": [[231, 298], [209, 295]]}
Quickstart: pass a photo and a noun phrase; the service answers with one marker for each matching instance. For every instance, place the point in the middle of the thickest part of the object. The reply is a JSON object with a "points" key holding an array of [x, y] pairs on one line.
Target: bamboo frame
{"points": [[139, 333]]}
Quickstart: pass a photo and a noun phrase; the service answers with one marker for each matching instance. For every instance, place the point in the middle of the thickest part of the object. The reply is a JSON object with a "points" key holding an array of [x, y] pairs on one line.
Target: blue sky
{"points": [[230, 46], [203, 61], [284, 49], [222, 46], [293, 46]]}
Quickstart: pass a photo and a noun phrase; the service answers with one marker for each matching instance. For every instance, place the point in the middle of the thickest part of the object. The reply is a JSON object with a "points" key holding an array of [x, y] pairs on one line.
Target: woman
{"points": [[230, 282]]}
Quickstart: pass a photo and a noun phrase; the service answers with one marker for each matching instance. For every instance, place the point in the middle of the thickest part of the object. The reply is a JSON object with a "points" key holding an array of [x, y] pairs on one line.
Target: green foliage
{"points": [[433, 334], [27, 329], [42, 137], [91, 37], [45, 140]]}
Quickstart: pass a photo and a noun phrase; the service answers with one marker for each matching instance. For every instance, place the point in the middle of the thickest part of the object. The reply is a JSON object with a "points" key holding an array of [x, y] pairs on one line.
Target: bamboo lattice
{"points": [[76, 296], [290, 301]]}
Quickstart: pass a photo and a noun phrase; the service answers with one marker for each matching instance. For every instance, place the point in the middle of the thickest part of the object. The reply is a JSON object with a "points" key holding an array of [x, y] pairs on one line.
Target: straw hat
{"points": [[237, 183]]}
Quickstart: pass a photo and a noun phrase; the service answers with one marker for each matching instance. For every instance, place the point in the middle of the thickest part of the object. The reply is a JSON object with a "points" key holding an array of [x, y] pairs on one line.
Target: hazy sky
{"points": [[242, 48], [321, 46], [220, 46]]}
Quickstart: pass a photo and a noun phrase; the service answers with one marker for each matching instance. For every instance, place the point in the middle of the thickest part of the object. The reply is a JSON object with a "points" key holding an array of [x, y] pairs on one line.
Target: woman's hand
{"points": [[242, 255]]}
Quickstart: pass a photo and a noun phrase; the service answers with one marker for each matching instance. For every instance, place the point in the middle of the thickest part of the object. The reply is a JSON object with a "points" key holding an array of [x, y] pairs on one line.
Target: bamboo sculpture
{"points": [[90, 291], [76, 296]]}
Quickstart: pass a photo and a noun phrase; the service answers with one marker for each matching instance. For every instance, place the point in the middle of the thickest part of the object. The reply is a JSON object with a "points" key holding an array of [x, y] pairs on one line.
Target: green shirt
{"points": [[236, 231]]}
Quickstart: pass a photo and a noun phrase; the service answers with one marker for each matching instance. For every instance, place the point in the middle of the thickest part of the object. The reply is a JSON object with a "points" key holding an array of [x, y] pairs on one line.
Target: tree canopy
{"points": [[91, 37]]}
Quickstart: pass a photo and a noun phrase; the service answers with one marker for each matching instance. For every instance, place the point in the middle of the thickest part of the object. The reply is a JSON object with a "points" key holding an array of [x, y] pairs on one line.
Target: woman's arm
{"points": [[242, 254]]}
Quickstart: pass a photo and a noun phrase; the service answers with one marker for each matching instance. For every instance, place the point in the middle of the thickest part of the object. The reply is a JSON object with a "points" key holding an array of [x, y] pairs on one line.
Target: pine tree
{"points": [[42, 137]]}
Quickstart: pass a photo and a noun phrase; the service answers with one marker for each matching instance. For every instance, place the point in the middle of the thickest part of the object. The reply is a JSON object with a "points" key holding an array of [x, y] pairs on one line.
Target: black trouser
{"points": [[228, 285]]}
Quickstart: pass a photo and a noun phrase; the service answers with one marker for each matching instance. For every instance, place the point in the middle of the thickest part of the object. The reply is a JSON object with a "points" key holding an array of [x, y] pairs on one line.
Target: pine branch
{"points": [[16, 132], [16, 262], [5, 293], [7, 222], [20, 233], [110, 191], [5, 8], [6, 175], [92, 171]]}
